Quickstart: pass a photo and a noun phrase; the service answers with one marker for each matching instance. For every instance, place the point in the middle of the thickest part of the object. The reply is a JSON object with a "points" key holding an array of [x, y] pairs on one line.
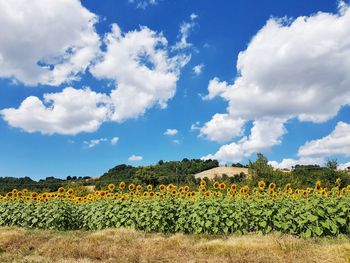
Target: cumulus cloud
{"points": [[222, 128], [290, 69], [344, 166], [170, 132], [68, 112], [114, 140], [264, 134], [197, 70], [94, 142], [135, 158], [337, 143], [46, 42], [147, 76], [142, 71]]}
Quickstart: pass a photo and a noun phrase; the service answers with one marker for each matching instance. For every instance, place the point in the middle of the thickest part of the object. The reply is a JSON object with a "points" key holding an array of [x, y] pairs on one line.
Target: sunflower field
{"points": [[209, 209]]}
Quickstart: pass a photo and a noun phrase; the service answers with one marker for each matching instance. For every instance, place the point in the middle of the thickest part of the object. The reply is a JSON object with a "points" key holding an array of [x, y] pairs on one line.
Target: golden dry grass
{"points": [[219, 171], [124, 245]]}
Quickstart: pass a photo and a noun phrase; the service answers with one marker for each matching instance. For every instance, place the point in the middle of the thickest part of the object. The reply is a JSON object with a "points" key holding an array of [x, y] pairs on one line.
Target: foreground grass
{"points": [[125, 245]]}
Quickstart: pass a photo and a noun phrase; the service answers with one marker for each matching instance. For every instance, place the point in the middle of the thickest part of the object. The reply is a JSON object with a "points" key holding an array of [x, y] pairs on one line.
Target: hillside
{"points": [[219, 171]]}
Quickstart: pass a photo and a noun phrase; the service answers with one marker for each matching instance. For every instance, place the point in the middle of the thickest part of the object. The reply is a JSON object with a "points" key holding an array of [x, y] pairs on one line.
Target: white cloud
{"points": [[344, 166], [195, 126], [185, 29], [170, 132], [143, 4], [337, 143], [176, 141], [197, 70], [94, 142], [114, 140], [290, 69], [193, 16], [68, 112], [135, 158], [264, 134], [290, 162], [147, 76], [222, 128], [46, 42]]}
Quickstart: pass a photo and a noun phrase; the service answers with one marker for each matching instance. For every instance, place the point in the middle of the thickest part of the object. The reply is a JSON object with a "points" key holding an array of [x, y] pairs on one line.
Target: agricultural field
{"points": [[127, 245], [211, 209]]}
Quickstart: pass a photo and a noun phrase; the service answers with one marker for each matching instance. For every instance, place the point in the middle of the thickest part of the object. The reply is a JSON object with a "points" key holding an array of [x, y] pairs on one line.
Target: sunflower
{"points": [[122, 185], [102, 193], [174, 192], [139, 188], [261, 185], [145, 194], [305, 194], [203, 182], [222, 186], [70, 191], [245, 190], [216, 185], [19, 194], [207, 193], [60, 190], [318, 185], [287, 187], [25, 190], [111, 187], [151, 194], [186, 188], [193, 194], [171, 187], [219, 194], [131, 187], [272, 186], [34, 194], [9, 194], [337, 182], [14, 191], [233, 188], [149, 188], [162, 188]]}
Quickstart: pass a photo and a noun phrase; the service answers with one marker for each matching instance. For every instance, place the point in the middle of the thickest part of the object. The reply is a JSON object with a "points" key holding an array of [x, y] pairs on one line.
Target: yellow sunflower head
{"points": [[139, 188], [272, 186], [186, 188], [337, 182], [261, 185], [60, 190], [111, 187], [162, 188], [122, 185], [149, 187], [131, 187], [222, 186], [216, 185]]}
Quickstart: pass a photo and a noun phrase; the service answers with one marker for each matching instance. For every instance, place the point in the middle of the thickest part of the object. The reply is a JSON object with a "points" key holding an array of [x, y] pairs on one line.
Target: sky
{"points": [[87, 85]]}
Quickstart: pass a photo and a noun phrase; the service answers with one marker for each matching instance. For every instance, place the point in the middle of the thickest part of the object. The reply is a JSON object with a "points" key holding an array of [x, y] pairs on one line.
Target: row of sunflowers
{"points": [[211, 209]]}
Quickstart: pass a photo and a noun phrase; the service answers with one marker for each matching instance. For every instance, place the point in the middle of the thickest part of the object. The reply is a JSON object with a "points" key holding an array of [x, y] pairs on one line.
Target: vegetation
{"points": [[209, 209], [127, 245]]}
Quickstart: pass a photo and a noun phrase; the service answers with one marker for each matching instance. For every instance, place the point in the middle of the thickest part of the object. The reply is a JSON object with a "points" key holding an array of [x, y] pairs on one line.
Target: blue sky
{"points": [[227, 79]]}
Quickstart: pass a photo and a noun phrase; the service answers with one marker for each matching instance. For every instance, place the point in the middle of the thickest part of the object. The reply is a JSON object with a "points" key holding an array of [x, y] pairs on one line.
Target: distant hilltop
{"points": [[222, 170]]}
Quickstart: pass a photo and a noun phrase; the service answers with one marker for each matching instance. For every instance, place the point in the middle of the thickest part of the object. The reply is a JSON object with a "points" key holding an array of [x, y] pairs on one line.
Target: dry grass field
{"points": [[124, 245], [219, 171]]}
